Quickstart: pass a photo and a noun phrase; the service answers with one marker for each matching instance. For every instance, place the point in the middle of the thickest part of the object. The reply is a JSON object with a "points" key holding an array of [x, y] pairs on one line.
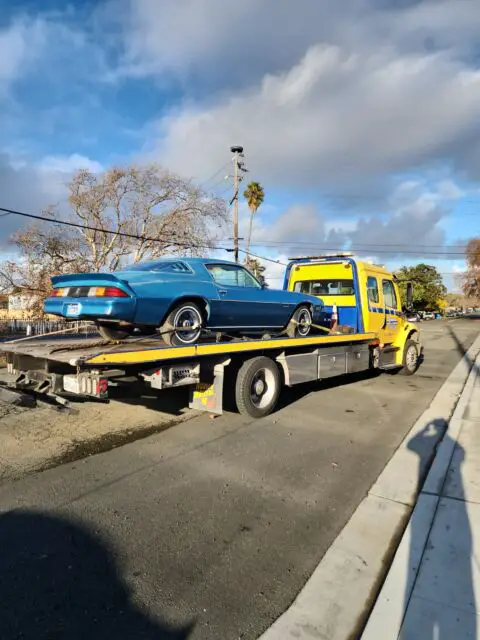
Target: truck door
{"points": [[376, 313], [392, 311]]}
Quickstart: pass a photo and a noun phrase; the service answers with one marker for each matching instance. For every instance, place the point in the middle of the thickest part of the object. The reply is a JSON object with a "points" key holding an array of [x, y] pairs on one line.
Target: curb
{"points": [[387, 616], [336, 601]]}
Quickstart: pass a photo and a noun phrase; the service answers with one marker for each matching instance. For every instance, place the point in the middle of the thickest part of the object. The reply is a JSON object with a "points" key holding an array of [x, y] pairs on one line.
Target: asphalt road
{"points": [[208, 529]]}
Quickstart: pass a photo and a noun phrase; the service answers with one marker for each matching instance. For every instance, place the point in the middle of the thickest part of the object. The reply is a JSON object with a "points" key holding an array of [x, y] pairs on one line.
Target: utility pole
{"points": [[237, 153]]}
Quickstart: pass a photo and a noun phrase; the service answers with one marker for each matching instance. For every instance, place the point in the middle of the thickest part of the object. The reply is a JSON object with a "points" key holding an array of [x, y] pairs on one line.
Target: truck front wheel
{"points": [[257, 387], [410, 358]]}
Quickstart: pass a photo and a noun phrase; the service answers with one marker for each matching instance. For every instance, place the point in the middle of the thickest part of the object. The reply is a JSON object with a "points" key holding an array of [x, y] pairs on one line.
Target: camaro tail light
{"points": [[90, 292], [58, 293], [107, 292]]}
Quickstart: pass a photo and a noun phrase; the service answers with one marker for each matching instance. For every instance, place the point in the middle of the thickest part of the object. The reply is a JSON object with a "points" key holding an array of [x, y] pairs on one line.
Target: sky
{"points": [[358, 117]]}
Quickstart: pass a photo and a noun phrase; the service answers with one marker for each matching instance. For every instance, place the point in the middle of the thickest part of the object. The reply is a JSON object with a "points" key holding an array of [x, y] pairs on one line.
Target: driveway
{"points": [[209, 528]]}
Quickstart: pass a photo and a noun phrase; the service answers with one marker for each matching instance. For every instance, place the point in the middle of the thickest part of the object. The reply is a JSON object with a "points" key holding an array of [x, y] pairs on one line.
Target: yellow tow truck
{"points": [[363, 328]]}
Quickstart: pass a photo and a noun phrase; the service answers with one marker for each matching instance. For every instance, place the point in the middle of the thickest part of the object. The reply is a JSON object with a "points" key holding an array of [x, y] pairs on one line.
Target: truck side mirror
{"points": [[409, 295]]}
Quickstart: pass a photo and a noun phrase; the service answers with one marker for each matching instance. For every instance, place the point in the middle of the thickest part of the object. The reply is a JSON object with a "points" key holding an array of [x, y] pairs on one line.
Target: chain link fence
{"points": [[41, 326]]}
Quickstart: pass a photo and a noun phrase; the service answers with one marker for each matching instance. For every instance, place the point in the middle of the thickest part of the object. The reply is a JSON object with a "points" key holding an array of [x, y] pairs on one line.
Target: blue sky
{"points": [[359, 117]]}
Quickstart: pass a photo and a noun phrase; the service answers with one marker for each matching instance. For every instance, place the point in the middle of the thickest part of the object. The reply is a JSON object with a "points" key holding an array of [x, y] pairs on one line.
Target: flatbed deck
{"points": [[96, 352]]}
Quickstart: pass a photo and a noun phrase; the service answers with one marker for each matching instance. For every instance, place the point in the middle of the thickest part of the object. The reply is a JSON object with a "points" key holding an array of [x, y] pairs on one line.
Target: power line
{"points": [[383, 244], [378, 249], [249, 253], [183, 244], [115, 233], [224, 166], [358, 247]]}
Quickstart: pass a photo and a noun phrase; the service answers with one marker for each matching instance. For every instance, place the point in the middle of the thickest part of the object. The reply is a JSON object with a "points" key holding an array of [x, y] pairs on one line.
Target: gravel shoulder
{"points": [[33, 439]]}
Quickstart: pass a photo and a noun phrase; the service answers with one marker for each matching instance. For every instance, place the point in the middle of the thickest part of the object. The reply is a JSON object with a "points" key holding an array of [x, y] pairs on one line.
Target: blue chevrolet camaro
{"points": [[182, 297]]}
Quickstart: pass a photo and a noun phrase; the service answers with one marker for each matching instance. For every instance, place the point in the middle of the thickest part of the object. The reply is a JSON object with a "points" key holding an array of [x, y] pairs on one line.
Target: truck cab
{"points": [[365, 296]]}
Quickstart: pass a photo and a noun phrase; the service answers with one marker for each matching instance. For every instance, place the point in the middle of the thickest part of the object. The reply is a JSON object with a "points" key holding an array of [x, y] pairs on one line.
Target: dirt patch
{"points": [[32, 439]]}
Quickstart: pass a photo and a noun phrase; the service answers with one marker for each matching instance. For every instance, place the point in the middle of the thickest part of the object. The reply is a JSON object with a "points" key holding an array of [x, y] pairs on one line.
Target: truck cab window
{"points": [[334, 287], [389, 294], [372, 288]]}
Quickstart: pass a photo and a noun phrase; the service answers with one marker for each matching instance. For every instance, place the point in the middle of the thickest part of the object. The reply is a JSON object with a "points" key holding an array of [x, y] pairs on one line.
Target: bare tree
{"points": [[42, 252], [158, 211], [471, 279], [166, 212]]}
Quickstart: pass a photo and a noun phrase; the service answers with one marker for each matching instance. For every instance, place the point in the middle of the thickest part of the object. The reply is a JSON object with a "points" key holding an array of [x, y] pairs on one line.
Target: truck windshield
{"points": [[326, 287]]}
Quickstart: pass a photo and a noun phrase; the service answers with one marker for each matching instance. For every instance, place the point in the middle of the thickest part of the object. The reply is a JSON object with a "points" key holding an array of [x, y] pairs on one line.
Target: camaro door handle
{"points": [[222, 292]]}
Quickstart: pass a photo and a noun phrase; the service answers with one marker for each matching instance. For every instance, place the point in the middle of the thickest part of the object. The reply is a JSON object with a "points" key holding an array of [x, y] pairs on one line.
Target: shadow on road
{"points": [[425, 618], [461, 349], [59, 580]]}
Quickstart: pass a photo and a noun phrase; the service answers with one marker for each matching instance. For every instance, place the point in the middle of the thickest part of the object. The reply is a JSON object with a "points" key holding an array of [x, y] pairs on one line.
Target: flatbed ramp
{"points": [[258, 369], [88, 351]]}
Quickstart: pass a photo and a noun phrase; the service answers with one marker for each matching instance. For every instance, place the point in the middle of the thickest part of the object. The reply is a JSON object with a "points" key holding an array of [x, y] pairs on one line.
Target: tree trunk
{"points": [[249, 237]]}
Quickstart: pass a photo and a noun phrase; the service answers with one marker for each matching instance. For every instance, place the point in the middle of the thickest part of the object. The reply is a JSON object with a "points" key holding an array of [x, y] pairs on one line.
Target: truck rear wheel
{"points": [[410, 358], [257, 387]]}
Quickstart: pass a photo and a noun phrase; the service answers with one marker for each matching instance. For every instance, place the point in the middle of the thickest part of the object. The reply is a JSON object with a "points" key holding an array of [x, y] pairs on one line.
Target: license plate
{"points": [[73, 309]]}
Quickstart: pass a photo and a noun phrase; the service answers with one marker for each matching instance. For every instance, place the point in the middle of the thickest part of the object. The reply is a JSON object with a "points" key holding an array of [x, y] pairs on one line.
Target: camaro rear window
{"points": [[326, 287], [173, 267]]}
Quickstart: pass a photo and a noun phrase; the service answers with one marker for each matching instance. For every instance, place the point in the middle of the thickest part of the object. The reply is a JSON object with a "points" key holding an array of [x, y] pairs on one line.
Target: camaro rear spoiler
{"points": [[84, 279]]}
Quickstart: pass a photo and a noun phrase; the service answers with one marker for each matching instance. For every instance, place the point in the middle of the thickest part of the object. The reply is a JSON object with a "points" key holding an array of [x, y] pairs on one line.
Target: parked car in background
{"points": [[429, 315], [181, 297], [413, 317]]}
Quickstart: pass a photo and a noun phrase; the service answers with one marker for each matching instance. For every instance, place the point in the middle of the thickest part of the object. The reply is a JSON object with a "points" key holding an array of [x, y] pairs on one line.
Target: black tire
{"points": [[300, 323], [410, 361], [191, 312], [257, 387], [114, 332]]}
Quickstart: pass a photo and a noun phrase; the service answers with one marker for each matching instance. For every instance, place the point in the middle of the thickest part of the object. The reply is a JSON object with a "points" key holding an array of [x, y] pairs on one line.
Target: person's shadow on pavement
{"points": [[431, 626], [59, 581]]}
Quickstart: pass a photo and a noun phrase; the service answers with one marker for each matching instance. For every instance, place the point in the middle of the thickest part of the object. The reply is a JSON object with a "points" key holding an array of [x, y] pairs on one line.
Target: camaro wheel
{"points": [[183, 325], [300, 323], [114, 332]]}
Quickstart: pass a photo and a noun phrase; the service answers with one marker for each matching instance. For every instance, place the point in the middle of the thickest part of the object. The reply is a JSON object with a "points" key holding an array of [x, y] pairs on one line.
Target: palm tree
{"points": [[254, 195]]}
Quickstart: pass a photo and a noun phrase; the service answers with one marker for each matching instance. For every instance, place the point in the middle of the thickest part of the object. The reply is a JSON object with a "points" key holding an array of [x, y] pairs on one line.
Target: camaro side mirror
{"points": [[409, 295]]}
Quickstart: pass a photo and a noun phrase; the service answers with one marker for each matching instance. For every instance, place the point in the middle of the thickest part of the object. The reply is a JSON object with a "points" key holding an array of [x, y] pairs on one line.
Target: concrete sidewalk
{"points": [[432, 590]]}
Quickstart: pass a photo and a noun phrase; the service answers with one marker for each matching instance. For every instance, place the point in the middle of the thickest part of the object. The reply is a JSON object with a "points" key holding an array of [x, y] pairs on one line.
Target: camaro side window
{"points": [[232, 276]]}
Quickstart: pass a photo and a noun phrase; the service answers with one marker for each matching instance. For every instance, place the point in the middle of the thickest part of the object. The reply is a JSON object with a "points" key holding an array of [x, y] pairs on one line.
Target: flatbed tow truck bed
{"points": [[62, 366]]}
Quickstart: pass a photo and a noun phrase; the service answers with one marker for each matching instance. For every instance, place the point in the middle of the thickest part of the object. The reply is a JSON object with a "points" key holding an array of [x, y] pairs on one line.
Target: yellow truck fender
{"points": [[410, 332]]}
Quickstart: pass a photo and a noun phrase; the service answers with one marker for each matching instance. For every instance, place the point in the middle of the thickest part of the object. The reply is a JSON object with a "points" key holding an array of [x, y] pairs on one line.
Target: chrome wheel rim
{"points": [[262, 388], [190, 321], [304, 322], [411, 357]]}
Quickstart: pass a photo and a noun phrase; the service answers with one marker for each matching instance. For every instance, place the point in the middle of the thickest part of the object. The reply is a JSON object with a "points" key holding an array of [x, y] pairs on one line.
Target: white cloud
{"points": [[335, 117], [30, 187], [68, 164], [20, 43], [235, 44], [412, 227]]}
